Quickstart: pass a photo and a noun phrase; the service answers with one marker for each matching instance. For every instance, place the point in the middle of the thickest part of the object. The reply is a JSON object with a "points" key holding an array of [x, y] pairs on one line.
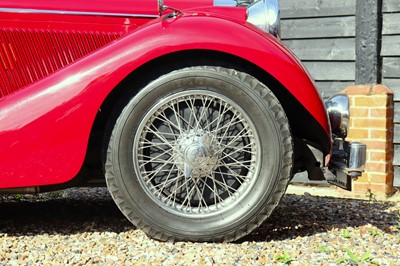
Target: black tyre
{"points": [[200, 154]]}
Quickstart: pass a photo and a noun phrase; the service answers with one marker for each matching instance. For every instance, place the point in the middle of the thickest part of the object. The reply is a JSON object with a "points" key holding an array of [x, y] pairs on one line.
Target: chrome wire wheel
{"points": [[201, 154], [196, 152]]}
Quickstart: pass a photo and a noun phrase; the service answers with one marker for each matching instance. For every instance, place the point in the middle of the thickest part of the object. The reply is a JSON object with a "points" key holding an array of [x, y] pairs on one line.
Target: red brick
{"points": [[381, 134], [379, 145], [357, 90], [359, 111], [358, 133], [371, 123], [380, 156], [381, 178], [377, 189], [352, 101], [381, 89], [377, 167], [361, 187], [372, 111], [363, 178], [390, 133], [369, 101], [381, 112], [366, 90]]}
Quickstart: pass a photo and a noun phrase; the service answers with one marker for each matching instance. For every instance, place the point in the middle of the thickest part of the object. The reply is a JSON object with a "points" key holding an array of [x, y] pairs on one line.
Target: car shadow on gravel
{"points": [[296, 216], [61, 213], [301, 215]]}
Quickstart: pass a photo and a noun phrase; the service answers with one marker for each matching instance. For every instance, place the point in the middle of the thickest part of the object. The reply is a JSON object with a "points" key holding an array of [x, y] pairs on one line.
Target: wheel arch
{"points": [[298, 116], [72, 96]]}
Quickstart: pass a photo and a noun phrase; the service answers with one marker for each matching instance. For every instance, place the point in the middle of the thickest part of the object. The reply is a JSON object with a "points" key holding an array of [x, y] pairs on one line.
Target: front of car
{"points": [[193, 113]]}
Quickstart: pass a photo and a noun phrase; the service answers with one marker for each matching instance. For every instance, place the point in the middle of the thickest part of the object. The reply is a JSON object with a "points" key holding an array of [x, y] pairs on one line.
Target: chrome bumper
{"points": [[347, 163]]}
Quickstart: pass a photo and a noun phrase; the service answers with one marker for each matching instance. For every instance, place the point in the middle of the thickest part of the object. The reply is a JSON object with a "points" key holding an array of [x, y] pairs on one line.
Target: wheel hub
{"points": [[197, 153]]}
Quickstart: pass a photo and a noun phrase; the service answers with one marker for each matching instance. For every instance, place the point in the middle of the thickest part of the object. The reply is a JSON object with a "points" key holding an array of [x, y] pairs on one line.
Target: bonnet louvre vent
{"points": [[28, 55]]}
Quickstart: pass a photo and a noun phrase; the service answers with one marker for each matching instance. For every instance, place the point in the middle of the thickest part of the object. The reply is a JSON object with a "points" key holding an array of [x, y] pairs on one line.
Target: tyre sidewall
{"points": [[261, 110]]}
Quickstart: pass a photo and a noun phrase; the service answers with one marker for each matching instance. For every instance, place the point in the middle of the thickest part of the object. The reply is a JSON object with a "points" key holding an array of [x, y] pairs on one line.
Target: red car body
{"points": [[71, 72], [52, 91]]}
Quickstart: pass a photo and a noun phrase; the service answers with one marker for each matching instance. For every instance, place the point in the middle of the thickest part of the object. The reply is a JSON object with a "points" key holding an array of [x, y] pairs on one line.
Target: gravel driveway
{"points": [[83, 227]]}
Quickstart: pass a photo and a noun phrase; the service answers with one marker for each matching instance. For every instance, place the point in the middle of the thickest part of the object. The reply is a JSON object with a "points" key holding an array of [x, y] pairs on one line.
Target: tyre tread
{"points": [[281, 185]]}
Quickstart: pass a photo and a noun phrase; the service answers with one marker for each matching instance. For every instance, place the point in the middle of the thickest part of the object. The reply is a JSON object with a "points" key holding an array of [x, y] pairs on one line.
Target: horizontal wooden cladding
{"points": [[394, 85], [397, 113], [391, 67], [321, 34], [396, 141], [391, 45], [319, 55], [339, 71], [391, 59], [326, 45], [396, 133], [391, 24], [316, 8], [330, 88], [389, 5], [396, 160], [396, 181], [323, 49], [327, 27]]}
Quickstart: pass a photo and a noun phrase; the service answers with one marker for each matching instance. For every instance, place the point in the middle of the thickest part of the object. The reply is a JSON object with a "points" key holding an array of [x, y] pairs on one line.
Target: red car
{"points": [[193, 113]]}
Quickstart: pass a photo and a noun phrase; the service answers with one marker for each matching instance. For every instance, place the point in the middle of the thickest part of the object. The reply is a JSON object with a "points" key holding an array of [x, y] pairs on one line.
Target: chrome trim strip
{"points": [[75, 13], [233, 3], [225, 3]]}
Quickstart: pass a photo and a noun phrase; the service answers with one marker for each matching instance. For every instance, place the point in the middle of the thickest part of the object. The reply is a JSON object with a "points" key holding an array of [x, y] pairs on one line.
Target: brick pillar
{"points": [[371, 122]]}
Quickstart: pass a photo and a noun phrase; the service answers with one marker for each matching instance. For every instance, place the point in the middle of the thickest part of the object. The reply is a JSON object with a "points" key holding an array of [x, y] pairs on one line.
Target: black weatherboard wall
{"points": [[390, 54], [345, 42], [322, 35]]}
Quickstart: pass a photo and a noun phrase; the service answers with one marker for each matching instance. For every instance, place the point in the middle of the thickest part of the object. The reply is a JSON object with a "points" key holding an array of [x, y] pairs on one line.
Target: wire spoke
{"points": [[213, 190], [232, 123], [204, 109], [161, 147], [247, 148], [172, 194], [177, 116], [155, 172], [238, 177], [222, 114], [158, 158], [189, 195], [215, 132], [169, 123], [223, 184]]}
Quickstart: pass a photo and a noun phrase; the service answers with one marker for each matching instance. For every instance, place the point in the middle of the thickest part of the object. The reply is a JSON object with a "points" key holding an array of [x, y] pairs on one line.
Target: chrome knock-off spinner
{"points": [[197, 153]]}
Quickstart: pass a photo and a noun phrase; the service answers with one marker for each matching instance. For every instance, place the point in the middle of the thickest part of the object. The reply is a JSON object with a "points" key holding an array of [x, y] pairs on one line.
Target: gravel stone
{"points": [[83, 226]]}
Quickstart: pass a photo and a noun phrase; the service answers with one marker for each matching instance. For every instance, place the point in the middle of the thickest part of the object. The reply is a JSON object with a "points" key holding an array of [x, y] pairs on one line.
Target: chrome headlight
{"points": [[265, 14], [338, 112]]}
